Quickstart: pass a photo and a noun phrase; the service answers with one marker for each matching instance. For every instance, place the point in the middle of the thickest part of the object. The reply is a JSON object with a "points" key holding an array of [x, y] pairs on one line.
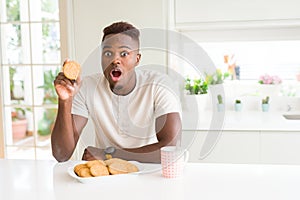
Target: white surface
{"points": [[35, 180]]}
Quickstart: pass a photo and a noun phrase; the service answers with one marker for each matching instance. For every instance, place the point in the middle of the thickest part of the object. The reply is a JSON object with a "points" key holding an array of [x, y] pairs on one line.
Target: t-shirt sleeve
{"points": [[79, 106], [167, 99]]}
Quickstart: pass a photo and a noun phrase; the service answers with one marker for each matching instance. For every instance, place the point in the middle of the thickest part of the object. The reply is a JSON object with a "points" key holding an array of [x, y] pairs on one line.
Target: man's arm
{"points": [[67, 127], [66, 132], [168, 131]]}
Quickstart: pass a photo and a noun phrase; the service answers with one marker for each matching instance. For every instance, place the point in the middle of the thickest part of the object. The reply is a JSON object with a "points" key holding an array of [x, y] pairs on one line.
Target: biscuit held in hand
{"points": [[71, 70]]}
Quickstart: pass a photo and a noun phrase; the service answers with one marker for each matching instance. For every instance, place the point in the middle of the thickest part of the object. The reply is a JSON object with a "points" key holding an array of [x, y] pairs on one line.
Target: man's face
{"points": [[120, 56]]}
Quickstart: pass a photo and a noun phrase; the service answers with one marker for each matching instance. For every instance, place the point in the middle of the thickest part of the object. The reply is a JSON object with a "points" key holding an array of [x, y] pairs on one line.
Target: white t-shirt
{"points": [[126, 121]]}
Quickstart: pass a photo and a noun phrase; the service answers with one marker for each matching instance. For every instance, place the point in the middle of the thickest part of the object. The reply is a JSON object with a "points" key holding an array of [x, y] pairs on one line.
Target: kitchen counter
{"points": [[48, 180], [239, 121]]}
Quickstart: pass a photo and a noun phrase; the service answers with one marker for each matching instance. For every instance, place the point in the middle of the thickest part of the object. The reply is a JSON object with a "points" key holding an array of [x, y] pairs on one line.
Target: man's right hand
{"points": [[66, 88]]}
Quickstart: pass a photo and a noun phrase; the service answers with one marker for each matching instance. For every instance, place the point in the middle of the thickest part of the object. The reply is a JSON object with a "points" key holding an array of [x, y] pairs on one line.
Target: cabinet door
{"points": [[280, 147], [193, 11], [232, 147], [192, 141]]}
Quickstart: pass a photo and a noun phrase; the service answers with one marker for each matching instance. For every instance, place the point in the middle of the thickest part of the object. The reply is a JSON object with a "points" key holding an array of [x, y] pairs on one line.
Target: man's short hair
{"points": [[124, 28]]}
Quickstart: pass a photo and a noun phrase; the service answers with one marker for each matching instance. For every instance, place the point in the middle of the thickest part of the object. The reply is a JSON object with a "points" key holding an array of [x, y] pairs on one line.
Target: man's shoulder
{"points": [[93, 78], [147, 75]]}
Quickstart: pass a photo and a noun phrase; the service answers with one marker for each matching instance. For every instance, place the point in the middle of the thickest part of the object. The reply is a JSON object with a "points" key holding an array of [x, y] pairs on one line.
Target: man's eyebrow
{"points": [[127, 47], [106, 46], [120, 47]]}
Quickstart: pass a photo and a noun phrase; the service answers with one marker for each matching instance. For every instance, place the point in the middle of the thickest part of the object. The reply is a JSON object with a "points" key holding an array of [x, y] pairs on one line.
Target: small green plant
{"points": [[266, 100], [238, 101], [238, 105], [220, 99], [50, 96], [196, 86], [216, 78]]}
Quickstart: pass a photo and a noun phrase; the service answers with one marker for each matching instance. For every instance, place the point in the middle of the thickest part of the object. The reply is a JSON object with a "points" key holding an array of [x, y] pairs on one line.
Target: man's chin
{"points": [[115, 86], [118, 87]]}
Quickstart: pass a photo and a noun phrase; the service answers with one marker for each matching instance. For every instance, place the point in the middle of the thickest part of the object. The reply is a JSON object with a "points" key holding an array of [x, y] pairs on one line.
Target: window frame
{"points": [[65, 42]]}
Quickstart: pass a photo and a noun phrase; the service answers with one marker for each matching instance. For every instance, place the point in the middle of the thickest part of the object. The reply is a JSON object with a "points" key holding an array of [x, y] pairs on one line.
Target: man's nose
{"points": [[116, 59]]}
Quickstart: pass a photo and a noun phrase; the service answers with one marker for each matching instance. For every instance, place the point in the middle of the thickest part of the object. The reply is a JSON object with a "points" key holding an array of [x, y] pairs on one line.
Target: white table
{"points": [[43, 180]]}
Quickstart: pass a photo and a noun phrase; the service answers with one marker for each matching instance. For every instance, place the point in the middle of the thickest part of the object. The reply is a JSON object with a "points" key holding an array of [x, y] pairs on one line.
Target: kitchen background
{"points": [[263, 38]]}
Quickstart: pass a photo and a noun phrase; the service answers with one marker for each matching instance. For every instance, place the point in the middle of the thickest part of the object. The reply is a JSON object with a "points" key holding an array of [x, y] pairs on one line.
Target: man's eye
{"points": [[107, 53], [124, 54]]}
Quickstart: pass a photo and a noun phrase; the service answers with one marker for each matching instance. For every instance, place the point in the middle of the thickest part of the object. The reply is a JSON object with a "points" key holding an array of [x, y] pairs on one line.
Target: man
{"points": [[135, 112]]}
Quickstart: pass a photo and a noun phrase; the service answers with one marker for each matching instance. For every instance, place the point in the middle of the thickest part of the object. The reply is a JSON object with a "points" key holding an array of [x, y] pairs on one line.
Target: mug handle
{"points": [[186, 156]]}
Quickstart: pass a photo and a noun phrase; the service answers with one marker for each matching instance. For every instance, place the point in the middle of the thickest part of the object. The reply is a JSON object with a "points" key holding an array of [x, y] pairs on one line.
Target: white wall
{"points": [[2, 144], [90, 17]]}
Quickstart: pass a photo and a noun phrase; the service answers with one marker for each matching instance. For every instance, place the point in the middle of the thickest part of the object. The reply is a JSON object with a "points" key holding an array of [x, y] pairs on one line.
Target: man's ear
{"points": [[138, 58]]}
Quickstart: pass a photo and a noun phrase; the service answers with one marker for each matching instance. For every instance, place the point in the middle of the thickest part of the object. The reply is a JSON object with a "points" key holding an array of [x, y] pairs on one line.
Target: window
{"points": [[255, 58], [30, 59]]}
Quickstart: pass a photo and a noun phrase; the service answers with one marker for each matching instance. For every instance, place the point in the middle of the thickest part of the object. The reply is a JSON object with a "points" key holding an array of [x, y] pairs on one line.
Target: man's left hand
{"points": [[93, 153]]}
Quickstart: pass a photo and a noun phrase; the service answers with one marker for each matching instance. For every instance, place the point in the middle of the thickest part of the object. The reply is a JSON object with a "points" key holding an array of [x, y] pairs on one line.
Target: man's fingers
{"points": [[66, 60], [61, 78]]}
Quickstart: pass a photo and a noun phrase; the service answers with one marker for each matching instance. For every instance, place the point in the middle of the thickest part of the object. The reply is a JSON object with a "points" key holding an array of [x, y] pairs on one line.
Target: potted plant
{"points": [[196, 86], [45, 124], [197, 96], [238, 105], [215, 82], [220, 104], [265, 104], [269, 84], [19, 123], [216, 78]]}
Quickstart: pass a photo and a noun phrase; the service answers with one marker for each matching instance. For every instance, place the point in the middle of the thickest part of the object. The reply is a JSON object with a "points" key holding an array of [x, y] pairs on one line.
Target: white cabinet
{"points": [[232, 146], [193, 140], [265, 147], [280, 147], [238, 20], [193, 11]]}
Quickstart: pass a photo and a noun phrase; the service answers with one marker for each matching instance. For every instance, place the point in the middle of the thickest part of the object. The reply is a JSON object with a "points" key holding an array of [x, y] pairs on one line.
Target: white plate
{"points": [[105, 178]]}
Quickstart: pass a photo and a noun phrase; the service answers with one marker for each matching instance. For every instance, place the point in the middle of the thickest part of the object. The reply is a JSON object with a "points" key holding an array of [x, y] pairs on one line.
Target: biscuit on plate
{"points": [[95, 162], [99, 170], [110, 161], [119, 166], [85, 172], [78, 167]]}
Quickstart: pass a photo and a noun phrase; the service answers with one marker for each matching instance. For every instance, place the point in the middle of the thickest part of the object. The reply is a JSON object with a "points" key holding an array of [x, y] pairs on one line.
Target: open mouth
{"points": [[115, 74]]}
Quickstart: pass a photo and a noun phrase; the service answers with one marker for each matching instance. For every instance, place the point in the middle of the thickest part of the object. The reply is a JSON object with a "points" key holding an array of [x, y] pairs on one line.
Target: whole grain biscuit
{"points": [[71, 70], [110, 161], [78, 167], [99, 170], [85, 172], [95, 162], [119, 166]]}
